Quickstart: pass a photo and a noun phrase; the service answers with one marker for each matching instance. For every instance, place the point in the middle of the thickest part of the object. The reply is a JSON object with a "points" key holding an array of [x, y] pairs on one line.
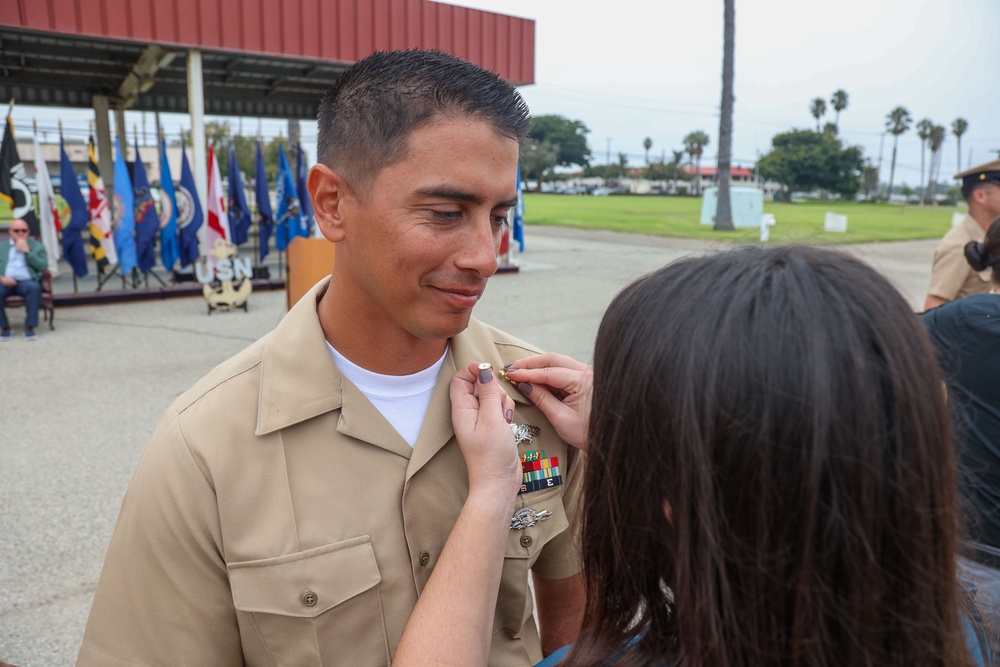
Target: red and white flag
{"points": [[218, 221]]}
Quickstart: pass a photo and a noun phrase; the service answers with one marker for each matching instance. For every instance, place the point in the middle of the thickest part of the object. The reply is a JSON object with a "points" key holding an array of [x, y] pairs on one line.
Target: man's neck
{"points": [[372, 347], [982, 218]]}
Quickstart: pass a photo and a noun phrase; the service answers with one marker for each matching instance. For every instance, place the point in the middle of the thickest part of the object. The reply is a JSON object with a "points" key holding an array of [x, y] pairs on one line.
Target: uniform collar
{"points": [[299, 381]]}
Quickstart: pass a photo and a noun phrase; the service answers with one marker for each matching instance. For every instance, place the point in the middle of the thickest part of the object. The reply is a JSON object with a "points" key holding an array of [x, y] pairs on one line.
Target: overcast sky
{"points": [[631, 69]]}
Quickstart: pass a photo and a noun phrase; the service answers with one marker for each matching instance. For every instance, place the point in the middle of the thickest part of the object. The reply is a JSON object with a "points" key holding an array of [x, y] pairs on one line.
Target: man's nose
{"points": [[479, 248]]}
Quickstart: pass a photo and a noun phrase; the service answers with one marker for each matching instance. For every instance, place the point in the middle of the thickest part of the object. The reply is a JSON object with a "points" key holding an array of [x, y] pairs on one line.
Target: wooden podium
{"points": [[309, 260]]}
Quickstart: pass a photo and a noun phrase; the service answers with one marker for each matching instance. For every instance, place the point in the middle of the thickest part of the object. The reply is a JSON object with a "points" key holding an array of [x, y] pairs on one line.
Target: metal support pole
{"points": [[105, 150], [196, 107]]}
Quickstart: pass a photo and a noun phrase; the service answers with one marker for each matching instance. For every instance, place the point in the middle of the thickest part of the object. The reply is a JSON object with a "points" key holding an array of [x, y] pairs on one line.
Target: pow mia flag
{"points": [[14, 181]]}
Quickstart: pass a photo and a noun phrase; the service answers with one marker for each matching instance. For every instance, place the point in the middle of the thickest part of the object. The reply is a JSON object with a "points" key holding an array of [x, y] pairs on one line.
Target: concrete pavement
{"points": [[77, 406]]}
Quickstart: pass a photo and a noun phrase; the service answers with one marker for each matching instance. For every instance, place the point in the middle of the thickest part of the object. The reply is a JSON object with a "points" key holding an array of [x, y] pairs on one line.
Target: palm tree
{"points": [[622, 164], [723, 207], [647, 143], [817, 108], [958, 128], [897, 122], [839, 103], [694, 145], [924, 128], [935, 138]]}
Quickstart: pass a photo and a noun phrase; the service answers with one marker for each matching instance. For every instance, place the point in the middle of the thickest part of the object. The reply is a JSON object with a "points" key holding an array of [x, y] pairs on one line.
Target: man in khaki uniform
{"points": [[951, 276], [290, 508]]}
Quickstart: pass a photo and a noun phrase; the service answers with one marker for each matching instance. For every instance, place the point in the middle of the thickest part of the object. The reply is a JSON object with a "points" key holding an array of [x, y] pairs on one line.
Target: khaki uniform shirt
{"points": [[276, 518], [951, 276]]}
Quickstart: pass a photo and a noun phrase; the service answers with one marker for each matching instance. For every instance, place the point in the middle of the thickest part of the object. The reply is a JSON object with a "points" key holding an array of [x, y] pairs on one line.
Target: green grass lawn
{"points": [[679, 216]]}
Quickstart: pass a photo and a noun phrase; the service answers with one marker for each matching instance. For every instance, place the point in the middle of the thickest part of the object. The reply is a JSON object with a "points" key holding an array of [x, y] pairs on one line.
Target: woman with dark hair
{"points": [[770, 476], [966, 335]]}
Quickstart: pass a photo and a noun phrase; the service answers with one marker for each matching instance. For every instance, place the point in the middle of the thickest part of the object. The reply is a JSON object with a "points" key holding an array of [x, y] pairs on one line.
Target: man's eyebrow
{"points": [[446, 192]]}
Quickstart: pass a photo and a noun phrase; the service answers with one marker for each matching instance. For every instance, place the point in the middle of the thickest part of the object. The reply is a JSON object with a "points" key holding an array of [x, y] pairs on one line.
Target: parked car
{"points": [[601, 192]]}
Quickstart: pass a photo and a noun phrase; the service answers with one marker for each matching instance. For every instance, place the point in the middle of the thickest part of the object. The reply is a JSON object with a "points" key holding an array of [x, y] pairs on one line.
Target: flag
{"points": [[147, 225], [265, 221], [239, 212], [79, 216], [168, 212], [517, 227], [102, 242], [124, 223], [305, 203], [189, 216], [48, 213], [288, 222], [14, 181], [218, 221]]}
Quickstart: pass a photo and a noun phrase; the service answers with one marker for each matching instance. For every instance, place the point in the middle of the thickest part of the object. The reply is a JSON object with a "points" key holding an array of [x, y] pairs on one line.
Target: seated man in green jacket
{"points": [[22, 262]]}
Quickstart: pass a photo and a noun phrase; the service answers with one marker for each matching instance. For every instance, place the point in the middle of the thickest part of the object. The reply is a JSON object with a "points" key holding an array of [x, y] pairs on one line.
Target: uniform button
{"points": [[309, 599], [526, 540], [425, 558]]}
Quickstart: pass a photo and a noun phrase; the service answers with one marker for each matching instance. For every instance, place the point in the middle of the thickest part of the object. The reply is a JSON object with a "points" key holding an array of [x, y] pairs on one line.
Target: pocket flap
{"points": [[307, 583], [528, 542]]}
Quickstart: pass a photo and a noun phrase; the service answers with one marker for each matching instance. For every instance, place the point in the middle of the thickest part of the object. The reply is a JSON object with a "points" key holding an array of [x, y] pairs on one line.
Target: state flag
{"points": [[102, 242]]}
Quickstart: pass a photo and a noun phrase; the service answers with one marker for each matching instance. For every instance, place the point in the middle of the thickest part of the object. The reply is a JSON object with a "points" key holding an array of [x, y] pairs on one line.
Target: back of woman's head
{"points": [[783, 406], [985, 254]]}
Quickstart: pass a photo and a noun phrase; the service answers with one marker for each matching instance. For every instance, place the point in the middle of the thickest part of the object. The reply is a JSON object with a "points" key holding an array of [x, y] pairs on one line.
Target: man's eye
{"points": [[448, 215]]}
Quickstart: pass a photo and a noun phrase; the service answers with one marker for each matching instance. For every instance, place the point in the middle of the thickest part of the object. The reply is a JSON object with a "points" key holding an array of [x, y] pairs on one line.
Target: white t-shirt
{"points": [[402, 399]]}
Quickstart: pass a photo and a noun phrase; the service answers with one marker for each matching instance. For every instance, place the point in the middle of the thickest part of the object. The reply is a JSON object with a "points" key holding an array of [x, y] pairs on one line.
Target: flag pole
{"points": [[10, 109]]}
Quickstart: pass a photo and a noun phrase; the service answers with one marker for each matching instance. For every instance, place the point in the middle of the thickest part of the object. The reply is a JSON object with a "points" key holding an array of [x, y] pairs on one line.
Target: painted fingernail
{"points": [[485, 373], [509, 415], [524, 388], [507, 366]]}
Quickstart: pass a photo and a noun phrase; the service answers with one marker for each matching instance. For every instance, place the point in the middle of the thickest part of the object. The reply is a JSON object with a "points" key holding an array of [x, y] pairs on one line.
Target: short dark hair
{"points": [[787, 404], [365, 120], [968, 187], [985, 254]]}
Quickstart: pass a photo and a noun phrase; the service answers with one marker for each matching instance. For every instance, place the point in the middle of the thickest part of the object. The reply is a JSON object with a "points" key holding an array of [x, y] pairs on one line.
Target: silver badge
{"points": [[524, 433], [526, 517]]}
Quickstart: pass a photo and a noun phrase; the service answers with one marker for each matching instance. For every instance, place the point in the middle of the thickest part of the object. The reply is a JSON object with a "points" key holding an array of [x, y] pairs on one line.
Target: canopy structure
{"points": [[266, 58]]}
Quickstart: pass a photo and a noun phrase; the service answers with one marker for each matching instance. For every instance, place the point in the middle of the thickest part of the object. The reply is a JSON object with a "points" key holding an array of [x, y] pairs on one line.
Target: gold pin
{"points": [[503, 373]]}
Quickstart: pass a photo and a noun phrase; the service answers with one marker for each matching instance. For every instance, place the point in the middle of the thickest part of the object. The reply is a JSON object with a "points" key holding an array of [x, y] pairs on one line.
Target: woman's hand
{"points": [[481, 413], [562, 388]]}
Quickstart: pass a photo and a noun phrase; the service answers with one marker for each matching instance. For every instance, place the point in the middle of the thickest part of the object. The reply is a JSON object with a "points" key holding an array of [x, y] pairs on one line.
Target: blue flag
{"points": [[124, 222], [147, 225], [72, 239], [517, 226], [169, 251], [189, 215], [265, 220], [305, 202], [289, 218], [239, 212]]}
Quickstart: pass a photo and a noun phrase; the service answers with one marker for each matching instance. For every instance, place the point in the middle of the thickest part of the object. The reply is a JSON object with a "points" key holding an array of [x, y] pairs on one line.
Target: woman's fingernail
{"points": [[485, 373], [507, 367], [509, 415], [524, 388]]}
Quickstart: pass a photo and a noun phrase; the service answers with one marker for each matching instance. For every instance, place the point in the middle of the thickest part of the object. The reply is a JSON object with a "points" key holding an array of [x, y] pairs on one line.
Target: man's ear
{"points": [[328, 191]]}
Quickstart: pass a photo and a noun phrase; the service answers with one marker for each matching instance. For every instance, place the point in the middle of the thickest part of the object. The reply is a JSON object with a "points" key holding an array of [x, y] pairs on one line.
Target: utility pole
{"points": [[878, 176], [609, 151]]}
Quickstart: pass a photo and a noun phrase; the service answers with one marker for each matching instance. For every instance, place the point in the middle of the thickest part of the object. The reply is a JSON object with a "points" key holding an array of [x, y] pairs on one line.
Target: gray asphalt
{"points": [[79, 404]]}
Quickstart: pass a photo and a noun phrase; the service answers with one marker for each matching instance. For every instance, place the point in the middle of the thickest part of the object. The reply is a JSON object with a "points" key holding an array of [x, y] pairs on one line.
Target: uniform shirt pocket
{"points": [[320, 606]]}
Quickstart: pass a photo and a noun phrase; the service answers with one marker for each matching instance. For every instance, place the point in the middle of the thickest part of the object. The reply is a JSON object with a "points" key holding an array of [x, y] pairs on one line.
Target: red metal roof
{"points": [[328, 30], [709, 172]]}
